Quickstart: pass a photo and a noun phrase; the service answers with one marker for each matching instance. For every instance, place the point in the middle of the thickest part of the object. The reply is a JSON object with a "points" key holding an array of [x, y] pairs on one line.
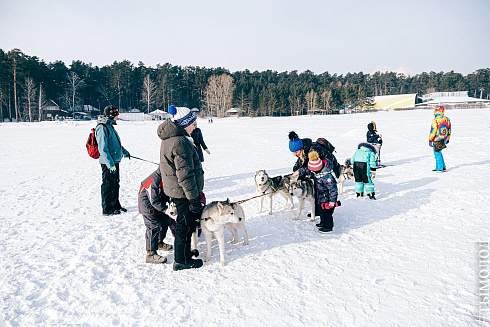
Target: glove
{"points": [[195, 206], [431, 144], [446, 142], [113, 169], [373, 174], [207, 150]]}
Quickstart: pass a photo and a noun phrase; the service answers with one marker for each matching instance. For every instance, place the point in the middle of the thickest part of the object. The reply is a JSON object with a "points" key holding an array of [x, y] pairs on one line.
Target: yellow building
{"points": [[397, 101]]}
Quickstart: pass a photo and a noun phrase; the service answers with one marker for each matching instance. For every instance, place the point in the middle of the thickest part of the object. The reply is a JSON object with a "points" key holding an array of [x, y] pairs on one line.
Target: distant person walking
{"points": [[111, 152], [440, 133], [199, 142], [183, 178]]}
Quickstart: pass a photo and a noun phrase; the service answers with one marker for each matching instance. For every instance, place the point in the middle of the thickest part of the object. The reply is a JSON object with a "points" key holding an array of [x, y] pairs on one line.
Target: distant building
{"points": [[52, 111], [233, 112], [458, 98]]}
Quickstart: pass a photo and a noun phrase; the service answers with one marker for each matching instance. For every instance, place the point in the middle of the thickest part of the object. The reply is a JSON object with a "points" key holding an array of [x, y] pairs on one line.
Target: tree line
{"points": [[27, 84]]}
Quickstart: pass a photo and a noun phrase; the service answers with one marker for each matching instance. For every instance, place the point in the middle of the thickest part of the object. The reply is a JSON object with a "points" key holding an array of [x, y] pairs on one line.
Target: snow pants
{"points": [[156, 229], [186, 225], [440, 164], [378, 154], [326, 217], [109, 190], [362, 175]]}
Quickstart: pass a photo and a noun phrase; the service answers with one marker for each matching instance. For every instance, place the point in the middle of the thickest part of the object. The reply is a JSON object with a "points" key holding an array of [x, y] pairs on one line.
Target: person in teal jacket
{"points": [[111, 152], [364, 163]]}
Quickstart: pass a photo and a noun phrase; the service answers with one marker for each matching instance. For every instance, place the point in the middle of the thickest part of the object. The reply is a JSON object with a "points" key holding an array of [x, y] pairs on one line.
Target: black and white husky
{"points": [[270, 186], [304, 190], [346, 173]]}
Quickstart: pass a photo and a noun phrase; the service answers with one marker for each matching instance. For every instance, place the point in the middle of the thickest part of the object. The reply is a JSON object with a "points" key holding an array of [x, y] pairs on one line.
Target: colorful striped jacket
{"points": [[441, 126]]}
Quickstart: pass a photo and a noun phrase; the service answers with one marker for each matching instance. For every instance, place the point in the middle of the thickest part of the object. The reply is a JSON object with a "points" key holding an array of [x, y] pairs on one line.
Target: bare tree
{"points": [[149, 91], [326, 98], [219, 94], [74, 84], [42, 102], [29, 95], [311, 100]]}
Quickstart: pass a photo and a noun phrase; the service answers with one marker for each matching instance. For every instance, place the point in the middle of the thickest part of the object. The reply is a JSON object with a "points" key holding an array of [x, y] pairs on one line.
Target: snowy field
{"points": [[407, 259]]}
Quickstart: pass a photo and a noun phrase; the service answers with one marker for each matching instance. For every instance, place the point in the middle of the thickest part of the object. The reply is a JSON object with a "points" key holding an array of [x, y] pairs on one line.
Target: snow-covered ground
{"points": [[407, 259]]}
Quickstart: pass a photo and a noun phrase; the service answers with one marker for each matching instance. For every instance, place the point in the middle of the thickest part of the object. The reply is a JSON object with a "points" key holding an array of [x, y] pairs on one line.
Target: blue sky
{"points": [[337, 36]]}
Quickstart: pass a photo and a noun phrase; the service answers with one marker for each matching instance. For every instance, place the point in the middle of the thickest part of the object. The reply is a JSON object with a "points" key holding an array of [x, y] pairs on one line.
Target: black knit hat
{"points": [[111, 112]]}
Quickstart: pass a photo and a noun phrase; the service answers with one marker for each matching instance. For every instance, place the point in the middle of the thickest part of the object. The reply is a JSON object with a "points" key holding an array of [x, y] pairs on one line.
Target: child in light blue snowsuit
{"points": [[364, 163]]}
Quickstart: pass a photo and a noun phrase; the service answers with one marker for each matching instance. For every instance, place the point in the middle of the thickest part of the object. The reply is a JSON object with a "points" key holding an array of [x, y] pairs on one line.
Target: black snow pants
{"points": [[109, 190]]}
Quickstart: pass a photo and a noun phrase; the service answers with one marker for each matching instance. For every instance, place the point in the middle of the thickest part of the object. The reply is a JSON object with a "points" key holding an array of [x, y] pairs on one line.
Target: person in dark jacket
{"points": [[199, 142], [183, 178], [111, 152], [152, 203], [301, 147], [321, 170], [372, 137]]}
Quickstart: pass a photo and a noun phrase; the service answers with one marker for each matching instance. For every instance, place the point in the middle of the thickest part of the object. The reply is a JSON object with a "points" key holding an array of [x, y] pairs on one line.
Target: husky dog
{"points": [[272, 186], [346, 173], [171, 210], [217, 216], [304, 190]]}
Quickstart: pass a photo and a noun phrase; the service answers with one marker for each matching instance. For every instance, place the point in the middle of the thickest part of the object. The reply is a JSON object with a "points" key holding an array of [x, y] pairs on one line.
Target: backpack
{"points": [[92, 146], [327, 145]]}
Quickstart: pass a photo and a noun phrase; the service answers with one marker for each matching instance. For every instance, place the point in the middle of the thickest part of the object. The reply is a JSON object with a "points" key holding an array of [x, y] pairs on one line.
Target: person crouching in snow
{"points": [[152, 205], [440, 133], [364, 163], [325, 188]]}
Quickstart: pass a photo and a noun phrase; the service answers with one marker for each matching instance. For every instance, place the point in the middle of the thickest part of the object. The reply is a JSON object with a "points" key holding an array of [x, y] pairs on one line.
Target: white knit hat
{"points": [[182, 116]]}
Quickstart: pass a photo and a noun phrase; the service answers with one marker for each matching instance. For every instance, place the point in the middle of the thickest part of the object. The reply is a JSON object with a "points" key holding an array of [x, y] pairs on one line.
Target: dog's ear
{"points": [[227, 200], [220, 207]]}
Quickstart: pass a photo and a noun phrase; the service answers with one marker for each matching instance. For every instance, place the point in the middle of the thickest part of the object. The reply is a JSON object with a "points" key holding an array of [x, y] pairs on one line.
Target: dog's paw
{"points": [[222, 263], [292, 206], [245, 243], [233, 241], [270, 212], [311, 219], [207, 259], [295, 218]]}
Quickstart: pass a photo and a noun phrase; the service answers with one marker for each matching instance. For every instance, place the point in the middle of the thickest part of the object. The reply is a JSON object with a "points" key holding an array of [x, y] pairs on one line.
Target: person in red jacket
{"points": [[152, 203]]}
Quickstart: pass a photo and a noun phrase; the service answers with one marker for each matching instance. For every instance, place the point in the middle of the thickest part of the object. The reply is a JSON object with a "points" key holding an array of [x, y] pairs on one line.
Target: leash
{"points": [[257, 196], [144, 160]]}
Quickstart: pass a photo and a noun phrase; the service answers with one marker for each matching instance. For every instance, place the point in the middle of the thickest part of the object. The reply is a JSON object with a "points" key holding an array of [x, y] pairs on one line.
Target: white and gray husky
{"points": [[304, 190], [217, 216], [346, 173], [272, 186]]}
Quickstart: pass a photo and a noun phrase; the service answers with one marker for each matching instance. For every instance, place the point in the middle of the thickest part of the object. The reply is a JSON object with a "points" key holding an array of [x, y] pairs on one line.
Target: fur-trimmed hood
{"points": [[368, 146]]}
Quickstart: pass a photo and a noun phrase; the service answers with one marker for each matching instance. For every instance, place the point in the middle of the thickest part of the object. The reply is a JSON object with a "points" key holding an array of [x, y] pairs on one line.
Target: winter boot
{"points": [[360, 194], [122, 209], [325, 230], [165, 247], [319, 225], [195, 253], [371, 196], [154, 257], [193, 263]]}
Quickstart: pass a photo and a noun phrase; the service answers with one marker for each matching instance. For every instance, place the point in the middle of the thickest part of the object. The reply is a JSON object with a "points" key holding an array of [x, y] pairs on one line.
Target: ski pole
{"points": [[144, 160]]}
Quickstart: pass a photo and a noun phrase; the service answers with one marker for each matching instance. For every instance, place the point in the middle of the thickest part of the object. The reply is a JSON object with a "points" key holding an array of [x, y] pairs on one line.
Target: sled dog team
{"points": [[172, 196]]}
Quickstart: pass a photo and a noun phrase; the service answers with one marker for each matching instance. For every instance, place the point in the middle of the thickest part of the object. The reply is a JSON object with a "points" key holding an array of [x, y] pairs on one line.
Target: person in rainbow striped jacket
{"points": [[440, 133]]}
